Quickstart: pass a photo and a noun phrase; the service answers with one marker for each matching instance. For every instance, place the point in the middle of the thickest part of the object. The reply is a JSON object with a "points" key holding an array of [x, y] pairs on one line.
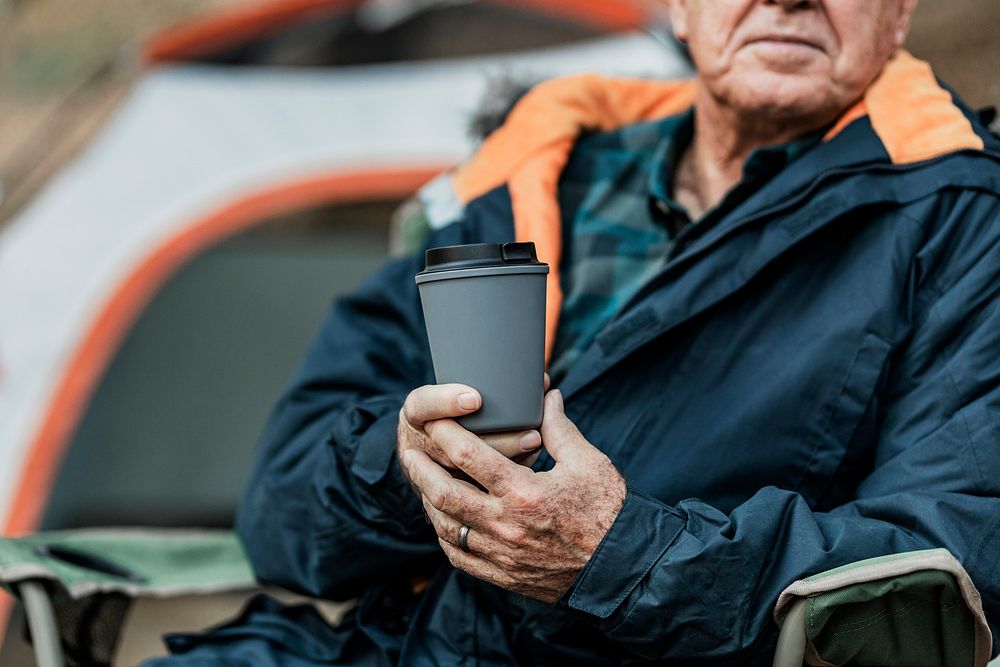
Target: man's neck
{"points": [[723, 140]]}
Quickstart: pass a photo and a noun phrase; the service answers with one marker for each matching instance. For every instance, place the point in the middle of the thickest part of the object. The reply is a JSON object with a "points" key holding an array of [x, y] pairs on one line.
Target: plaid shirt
{"points": [[621, 223]]}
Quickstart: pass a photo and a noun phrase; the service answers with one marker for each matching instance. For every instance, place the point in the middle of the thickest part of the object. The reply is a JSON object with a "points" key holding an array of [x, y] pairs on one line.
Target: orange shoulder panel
{"points": [[561, 109], [913, 116]]}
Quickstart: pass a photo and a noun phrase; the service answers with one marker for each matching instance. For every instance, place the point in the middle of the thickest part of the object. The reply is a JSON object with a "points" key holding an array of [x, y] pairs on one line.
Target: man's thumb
{"points": [[559, 435]]}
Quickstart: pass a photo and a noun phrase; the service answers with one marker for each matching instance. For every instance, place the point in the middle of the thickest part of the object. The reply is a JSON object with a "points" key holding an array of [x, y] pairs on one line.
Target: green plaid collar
{"points": [[678, 133], [621, 223], [761, 165]]}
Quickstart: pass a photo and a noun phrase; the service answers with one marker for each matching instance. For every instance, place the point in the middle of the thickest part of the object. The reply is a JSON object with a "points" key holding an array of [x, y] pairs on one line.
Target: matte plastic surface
{"points": [[487, 330]]}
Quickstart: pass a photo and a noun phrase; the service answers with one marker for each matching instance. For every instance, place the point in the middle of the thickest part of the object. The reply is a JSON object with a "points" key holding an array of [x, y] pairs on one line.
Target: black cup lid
{"points": [[476, 255]]}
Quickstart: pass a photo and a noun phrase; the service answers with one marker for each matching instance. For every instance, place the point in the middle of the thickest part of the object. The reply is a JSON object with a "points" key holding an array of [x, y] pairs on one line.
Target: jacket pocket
{"points": [[841, 415]]}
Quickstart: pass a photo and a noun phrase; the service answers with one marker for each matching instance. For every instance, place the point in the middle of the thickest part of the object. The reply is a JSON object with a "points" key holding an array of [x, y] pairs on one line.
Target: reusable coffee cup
{"points": [[484, 307]]}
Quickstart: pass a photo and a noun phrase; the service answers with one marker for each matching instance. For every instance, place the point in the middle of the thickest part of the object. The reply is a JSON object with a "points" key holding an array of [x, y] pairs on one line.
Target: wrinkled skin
{"points": [[531, 533], [789, 59], [770, 71]]}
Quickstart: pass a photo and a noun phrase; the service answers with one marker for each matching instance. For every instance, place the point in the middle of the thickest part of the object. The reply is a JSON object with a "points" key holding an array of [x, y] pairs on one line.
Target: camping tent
{"points": [[204, 149]]}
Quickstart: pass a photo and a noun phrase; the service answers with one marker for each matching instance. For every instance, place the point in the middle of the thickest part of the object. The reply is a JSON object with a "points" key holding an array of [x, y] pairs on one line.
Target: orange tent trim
{"points": [[230, 27], [91, 357], [612, 15]]}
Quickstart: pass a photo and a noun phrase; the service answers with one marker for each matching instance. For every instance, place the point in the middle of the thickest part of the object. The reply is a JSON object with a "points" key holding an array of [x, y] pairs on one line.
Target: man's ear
{"points": [[677, 10], [906, 9]]}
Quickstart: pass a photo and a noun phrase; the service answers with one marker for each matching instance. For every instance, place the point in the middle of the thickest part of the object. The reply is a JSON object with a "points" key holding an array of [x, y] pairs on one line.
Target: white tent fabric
{"points": [[190, 139]]}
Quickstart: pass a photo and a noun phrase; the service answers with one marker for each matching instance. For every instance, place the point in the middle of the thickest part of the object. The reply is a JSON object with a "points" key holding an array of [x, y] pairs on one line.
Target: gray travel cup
{"points": [[484, 306]]}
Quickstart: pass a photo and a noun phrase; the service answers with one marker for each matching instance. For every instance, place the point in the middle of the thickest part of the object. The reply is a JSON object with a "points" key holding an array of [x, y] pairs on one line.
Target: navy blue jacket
{"points": [[814, 381]]}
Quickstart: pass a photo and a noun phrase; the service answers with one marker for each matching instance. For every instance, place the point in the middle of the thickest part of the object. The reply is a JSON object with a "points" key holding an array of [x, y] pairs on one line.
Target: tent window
{"points": [[169, 433]]}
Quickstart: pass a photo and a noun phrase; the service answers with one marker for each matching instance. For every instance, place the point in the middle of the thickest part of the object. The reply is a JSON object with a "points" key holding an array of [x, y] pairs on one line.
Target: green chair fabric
{"points": [[913, 609], [917, 619], [77, 585], [130, 561]]}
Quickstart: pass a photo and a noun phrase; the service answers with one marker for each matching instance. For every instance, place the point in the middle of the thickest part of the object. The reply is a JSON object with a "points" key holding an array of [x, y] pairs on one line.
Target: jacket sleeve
{"points": [[326, 509], [689, 581]]}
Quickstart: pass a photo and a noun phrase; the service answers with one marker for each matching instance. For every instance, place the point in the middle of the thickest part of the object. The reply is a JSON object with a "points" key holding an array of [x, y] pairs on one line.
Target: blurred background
{"points": [[64, 66], [185, 185], [188, 184]]}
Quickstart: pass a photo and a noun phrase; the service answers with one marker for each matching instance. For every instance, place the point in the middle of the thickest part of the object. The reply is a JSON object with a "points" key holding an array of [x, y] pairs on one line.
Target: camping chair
{"points": [[916, 609], [76, 586], [912, 609]]}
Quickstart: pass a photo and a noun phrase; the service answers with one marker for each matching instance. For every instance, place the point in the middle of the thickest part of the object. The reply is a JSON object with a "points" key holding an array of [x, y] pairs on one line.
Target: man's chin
{"points": [[782, 95], [783, 58]]}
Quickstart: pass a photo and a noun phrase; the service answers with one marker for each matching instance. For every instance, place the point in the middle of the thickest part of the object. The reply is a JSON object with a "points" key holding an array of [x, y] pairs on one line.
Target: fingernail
{"points": [[557, 395], [468, 401], [530, 440]]}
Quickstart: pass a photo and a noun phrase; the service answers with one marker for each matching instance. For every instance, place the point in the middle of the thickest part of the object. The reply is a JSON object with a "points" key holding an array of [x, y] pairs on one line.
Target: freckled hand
{"points": [[530, 533]]}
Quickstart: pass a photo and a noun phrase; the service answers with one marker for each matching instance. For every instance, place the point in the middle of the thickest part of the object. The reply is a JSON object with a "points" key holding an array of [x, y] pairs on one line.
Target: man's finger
{"points": [[474, 457], [449, 495], [448, 528], [513, 445], [477, 566], [440, 401], [561, 437]]}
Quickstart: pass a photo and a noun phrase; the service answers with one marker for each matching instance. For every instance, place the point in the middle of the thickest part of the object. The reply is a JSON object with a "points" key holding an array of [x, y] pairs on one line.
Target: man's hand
{"points": [[426, 404], [531, 533]]}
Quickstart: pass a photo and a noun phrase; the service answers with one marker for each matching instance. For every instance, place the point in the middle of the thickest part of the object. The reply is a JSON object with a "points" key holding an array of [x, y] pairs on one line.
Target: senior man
{"points": [[775, 350]]}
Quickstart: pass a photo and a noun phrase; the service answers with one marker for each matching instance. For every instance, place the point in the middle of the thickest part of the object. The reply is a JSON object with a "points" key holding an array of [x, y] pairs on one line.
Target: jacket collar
{"points": [[733, 254], [905, 117]]}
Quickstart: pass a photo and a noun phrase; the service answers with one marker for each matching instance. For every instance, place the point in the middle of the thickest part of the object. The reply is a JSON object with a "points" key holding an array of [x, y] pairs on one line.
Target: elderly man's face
{"points": [[791, 59]]}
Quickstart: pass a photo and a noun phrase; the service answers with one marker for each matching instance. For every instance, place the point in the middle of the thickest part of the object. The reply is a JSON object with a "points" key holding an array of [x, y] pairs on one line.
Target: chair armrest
{"points": [[915, 608], [132, 561], [42, 623]]}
